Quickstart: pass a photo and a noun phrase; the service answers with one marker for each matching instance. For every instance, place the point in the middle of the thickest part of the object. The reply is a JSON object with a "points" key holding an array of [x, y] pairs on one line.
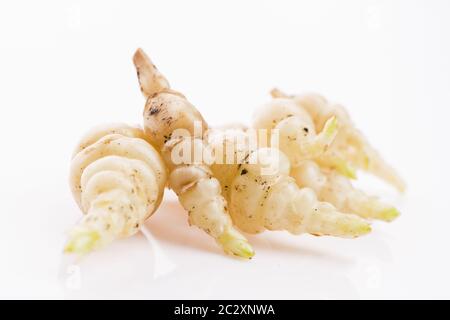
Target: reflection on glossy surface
{"points": [[162, 265], [169, 259]]}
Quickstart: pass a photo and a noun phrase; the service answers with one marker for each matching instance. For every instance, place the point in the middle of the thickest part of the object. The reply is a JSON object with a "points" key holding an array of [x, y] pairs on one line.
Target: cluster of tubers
{"points": [[119, 172]]}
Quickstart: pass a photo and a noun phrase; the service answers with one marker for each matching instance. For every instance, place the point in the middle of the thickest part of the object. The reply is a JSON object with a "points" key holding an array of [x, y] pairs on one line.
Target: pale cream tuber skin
{"points": [[350, 144], [329, 174], [198, 190], [298, 137], [332, 187], [262, 195], [117, 179]]}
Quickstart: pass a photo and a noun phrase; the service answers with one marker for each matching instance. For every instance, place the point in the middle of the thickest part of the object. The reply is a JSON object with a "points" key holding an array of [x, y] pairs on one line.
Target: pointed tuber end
{"points": [[389, 214], [344, 168], [82, 242], [330, 128], [277, 93], [151, 81], [234, 243], [355, 228]]}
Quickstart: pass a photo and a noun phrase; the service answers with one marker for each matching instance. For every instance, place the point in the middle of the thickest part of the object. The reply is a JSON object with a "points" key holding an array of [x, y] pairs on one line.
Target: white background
{"points": [[66, 66]]}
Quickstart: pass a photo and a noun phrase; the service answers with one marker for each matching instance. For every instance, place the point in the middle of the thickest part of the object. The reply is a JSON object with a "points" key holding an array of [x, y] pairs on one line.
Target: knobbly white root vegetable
{"points": [[117, 178], [262, 195], [338, 190], [198, 190], [297, 133], [350, 144]]}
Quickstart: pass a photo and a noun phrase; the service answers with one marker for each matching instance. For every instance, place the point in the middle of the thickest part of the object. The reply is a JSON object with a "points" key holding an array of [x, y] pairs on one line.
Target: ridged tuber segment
{"points": [[350, 144], [169, 123], [297, 136], [117, 178], [262, 195], [338, 190]]}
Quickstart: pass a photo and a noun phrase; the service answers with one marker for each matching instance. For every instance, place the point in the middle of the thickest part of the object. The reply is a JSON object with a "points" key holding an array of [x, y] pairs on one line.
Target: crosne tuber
{"points": [[350, 145], [166, 113], [262, 195], [117, 179]]}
